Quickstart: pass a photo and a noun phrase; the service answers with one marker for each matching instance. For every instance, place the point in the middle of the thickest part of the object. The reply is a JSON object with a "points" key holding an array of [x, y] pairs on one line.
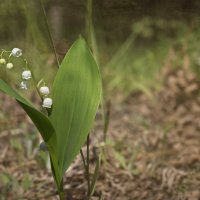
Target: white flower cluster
{"points": [[16, 52], [47, 102], [26, 75]]}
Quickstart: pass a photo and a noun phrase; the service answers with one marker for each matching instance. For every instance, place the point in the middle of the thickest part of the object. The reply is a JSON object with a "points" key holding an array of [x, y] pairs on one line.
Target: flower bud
{"points": [[44, 90], [2, 61], [43, 146], [26, 74], [47, 103], [23, 85], [9, 66], [16, 52]]}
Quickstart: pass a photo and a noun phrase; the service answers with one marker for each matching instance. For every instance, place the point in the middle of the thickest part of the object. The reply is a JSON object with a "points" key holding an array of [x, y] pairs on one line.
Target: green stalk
{"points": [[106, 119], [60, 188], [49, 32], [88, 166], [89, 31], [61, 191], [61, 195], [92, 44], [83, 159]]}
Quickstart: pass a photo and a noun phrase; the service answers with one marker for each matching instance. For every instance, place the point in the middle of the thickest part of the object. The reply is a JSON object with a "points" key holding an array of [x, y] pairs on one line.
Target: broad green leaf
{"points": [[76, 95], [39, 119]]}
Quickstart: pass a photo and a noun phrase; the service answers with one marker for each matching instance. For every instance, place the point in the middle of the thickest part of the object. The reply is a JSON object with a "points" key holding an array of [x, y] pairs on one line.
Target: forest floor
{"points": [[152, 152]]}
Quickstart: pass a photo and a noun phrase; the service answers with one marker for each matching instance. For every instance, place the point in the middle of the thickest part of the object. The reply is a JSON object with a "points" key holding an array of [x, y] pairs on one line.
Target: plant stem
{"points": [[106, 119], [83, 159], [86, 163], [49, 32], [89, 33], [91, 43], [61, 191], [35, 85], [88, 166], [89, 24], [33, 78], [61, 195]]}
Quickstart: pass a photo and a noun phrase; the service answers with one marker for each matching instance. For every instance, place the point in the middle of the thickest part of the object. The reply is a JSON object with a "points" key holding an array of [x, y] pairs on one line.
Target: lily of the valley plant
{"points": [[71, 106]]}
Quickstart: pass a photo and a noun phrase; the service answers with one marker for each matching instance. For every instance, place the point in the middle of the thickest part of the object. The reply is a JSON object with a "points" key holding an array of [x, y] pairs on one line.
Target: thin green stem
{"points": [[35, 83], [89, 32], [26, 62], [89, 40], [49, 32], [5, 51], [2, 53], [89, 24], [33, 77], [88, 165], [106, 119], [83, 159], [61, 191]]}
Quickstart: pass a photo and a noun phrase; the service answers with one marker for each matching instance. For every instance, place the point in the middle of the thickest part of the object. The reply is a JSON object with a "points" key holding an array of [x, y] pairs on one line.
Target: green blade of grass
{"points": [[95, 177]]}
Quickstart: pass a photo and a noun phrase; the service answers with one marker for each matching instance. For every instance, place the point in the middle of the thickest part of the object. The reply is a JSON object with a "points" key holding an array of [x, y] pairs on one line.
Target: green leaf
{"points": [[42, 123], [76, 95], [39, 119]]}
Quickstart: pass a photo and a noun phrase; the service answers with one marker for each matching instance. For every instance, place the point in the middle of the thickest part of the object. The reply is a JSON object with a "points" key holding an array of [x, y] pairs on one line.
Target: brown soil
{"points": [[152, 152]]}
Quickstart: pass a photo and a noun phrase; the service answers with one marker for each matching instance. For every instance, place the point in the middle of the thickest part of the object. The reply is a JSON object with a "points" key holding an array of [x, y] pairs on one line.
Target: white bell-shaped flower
{"points": [[26, 74], [9, 66], [47, 103], [44, 90], [16, 52], [23, 85], [2, 61]]}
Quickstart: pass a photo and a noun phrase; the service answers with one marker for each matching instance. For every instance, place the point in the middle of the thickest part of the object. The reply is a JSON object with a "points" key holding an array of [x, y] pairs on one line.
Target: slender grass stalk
{"points": [[83, 159], [88, 166], [61, 188], [92, 44], [106, 120], [86, 163], [89, 30], [49, 32], [89, 34]]}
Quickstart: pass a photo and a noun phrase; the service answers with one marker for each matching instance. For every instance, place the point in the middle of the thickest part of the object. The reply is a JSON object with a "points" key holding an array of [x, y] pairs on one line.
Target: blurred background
{"points": [[134, 39], [149, 56]]}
